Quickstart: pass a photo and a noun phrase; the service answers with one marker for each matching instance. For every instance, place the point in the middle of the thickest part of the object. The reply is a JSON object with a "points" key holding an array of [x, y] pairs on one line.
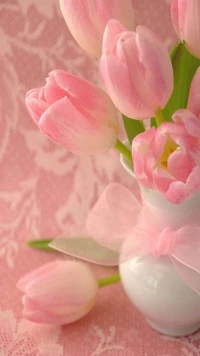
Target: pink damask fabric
{"points": [[46, 191]]}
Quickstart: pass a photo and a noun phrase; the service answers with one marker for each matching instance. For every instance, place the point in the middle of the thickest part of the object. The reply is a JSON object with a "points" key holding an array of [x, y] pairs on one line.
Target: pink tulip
{"points": [[185, 16], [136, 70], [75, 113], [59, 292], [194, 95], [163, 160], [86, 20]]}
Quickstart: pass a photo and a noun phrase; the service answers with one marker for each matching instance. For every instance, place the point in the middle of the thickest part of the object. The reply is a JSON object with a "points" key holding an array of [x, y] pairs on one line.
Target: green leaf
{"points": [[184, 67], [40, 244], [132, 127]]}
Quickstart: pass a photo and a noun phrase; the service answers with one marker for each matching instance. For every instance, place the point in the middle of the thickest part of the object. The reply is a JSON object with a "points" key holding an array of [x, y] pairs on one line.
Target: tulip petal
{"points": [[185, 16], [87, 19], [43, 317], [68, 127], [112, 30], [136, 70], [36, 108], [82, 22], [154, 57], [194, 95], [64, 289], [119, 87], [43, 270], [162, 180], [176, 192], [178, 11], [33, 94], [180, 165], [87, 97], [193, 181], [190, 121], [53, 94]]}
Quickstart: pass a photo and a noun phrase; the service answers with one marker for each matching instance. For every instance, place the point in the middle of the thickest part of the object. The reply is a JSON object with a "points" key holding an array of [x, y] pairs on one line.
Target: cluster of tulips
{"points": [[142, 82]]}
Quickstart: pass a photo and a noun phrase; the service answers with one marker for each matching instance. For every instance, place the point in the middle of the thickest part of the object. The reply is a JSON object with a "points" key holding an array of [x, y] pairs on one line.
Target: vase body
{"points": [[153, 285], [168, 304]]}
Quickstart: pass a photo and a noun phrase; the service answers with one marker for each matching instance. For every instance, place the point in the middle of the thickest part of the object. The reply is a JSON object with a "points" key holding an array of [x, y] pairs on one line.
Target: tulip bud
{"points": [[59, 292], [136, 70], [75, 113], [185, 16], [86, 20]]}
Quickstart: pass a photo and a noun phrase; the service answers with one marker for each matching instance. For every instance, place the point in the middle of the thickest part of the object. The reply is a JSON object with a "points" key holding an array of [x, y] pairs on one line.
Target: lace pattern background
{"points": [[46, 191]]}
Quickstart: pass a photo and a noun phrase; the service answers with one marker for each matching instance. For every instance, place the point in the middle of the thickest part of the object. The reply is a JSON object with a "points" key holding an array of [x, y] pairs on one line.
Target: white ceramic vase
{"points": [[153, 285]]}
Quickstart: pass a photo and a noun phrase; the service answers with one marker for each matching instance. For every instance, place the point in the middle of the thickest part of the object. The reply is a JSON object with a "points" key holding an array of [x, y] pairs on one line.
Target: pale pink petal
{"points": [[118, 84], [175, 131], [194, 95], [43, 317], [87, 19], [144, 140], [36, 108], [158, 144], [137, 71], [33, 94], [185, 17], [155, 59], [60, 292], [143, 158], [83, 24], [139, 169], [80, 135], [87, 97], [53, 93], [176, 192], [115, 9], [52, 308], [112, 30], [150, 164], [178, 10], [43, 270], [128, 45], [191, 26], [190, 121], [58, 287], [180, 165], [193, 181], [162, 180]]}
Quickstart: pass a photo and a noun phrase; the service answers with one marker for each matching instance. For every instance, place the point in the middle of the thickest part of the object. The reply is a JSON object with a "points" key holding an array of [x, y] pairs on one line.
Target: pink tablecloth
{"points": [[45, 191]]}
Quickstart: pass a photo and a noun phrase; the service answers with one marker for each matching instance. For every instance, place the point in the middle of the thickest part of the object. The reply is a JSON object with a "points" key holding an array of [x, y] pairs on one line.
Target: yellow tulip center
{"points": [[169, 148]]}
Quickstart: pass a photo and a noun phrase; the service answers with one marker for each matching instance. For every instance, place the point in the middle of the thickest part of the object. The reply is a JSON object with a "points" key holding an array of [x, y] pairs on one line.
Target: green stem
{"points": [[40, 244], [123, 150], [106, 281], [159, 117]]}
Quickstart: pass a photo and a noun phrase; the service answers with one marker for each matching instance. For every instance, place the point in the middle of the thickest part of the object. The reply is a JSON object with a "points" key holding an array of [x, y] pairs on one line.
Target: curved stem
{"points": [[159, 118], [106, 281], [123, 150]]}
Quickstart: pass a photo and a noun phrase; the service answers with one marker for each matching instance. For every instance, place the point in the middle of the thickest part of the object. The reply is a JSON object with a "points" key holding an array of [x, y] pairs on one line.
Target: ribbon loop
{"points": [[165, 242]]}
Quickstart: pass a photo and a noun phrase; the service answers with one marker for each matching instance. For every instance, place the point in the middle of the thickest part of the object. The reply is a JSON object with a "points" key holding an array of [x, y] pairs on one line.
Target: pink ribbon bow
{"points": [[123, 224]]}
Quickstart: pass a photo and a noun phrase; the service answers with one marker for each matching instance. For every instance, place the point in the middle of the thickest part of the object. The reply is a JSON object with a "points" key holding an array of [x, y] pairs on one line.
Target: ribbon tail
{"points": [[190, 276], [186, 256], [113, 217]]}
